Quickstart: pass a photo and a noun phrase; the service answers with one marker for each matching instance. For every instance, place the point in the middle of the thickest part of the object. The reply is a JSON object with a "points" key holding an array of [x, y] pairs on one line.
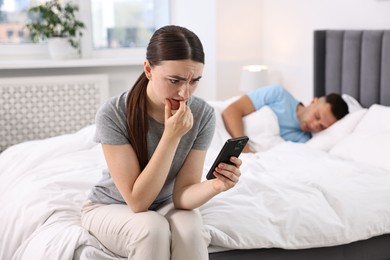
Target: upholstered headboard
{"points": [[354, 62]]}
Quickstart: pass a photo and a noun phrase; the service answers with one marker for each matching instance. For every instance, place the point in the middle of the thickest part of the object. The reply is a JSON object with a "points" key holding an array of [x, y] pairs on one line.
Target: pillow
{"points": [[375, 121], [370, 140], [262, 128], [327, 138], [353, 104], [220, 134]]}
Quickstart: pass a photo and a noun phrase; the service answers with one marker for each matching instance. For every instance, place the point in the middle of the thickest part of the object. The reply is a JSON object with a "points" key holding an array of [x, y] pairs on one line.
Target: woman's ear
{"points": [[148, 69]]}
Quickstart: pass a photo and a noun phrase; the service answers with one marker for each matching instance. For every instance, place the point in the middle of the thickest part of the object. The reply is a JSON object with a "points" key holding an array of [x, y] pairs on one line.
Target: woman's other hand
{"points": [[227, 175]]}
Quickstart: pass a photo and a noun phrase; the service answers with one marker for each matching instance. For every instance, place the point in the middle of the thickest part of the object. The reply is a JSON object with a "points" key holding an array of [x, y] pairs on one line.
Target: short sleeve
{"points": [[206, 131], [266, 95], [204, 124], [111, 127]]}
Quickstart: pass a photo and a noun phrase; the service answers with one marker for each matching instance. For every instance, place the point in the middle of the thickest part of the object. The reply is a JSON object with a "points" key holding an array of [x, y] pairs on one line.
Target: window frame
{"points": [[86, 41]]}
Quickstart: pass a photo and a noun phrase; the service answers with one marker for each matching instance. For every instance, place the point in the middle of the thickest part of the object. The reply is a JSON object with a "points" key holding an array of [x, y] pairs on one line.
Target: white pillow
{"points": [[353, 104], [262, 128], [377, 120], [370, 141], [220, 134], [327, 138]]}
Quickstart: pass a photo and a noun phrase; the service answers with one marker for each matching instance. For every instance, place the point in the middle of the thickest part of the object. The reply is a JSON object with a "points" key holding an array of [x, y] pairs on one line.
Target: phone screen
{"points": [[232, 147]]}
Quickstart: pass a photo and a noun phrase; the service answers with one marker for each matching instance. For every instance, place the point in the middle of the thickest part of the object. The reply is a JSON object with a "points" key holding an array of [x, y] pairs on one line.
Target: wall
{"points": [[200, 17], [239, 40], [288, 27]]}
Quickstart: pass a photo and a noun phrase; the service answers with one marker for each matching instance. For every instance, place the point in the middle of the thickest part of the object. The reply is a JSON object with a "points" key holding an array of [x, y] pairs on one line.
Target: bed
{"points": [[355, 63], [326, 199]]}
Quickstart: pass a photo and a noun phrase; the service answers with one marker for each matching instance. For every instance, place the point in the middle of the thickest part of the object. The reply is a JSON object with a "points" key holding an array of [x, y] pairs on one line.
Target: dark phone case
{"points": [[232, 147]]}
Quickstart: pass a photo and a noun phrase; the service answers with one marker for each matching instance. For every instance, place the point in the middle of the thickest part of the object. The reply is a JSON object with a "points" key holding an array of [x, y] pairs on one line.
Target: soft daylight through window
{"points": [[126, 23], [115, 23], [13, 14]]}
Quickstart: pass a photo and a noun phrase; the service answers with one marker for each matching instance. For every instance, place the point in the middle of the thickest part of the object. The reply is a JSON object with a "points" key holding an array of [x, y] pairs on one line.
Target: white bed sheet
{"points": [[294, 197], [290, 196], [43, 184]]}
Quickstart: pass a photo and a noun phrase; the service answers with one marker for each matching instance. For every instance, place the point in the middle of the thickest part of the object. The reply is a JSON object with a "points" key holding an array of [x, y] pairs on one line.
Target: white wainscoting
{"points": [[41, 107]]}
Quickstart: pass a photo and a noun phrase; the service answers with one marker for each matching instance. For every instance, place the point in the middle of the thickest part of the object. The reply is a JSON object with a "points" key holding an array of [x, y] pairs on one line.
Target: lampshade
{"points": [[252, 77]]}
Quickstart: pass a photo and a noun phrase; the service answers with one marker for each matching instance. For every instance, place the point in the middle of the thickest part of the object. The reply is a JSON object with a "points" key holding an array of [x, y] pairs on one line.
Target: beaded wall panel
{"points": [[41, 107]]}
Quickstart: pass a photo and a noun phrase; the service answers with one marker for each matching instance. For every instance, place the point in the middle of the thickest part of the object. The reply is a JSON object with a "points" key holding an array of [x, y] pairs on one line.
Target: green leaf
{"points": [[54, 19]]}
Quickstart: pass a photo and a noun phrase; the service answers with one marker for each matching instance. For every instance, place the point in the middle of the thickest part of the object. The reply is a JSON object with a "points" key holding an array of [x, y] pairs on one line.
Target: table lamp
{"points": [[252, 77]]}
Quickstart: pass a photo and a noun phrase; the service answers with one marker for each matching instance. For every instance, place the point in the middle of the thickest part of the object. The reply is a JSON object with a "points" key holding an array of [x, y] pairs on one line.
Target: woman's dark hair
{"points": [[338, 106], [167, 43]]}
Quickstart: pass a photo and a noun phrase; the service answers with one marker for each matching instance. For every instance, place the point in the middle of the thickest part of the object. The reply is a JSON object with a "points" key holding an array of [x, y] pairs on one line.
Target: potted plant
{"points": [[57, 23]]}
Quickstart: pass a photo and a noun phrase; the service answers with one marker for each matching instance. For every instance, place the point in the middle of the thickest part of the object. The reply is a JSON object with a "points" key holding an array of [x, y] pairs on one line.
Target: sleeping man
{"points": [[296, 121]]}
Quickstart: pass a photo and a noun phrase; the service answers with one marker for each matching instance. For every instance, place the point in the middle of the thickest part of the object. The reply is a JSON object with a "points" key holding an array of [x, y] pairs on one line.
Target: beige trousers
{"points": [[167, 233]]}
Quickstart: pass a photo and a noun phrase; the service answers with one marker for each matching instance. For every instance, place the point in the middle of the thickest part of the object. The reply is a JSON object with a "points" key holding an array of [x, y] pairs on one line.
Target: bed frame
{"points": [[353, 62], [357, 63]]}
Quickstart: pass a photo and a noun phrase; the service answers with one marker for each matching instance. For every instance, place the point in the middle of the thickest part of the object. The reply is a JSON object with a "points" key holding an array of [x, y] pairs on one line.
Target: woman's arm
{"points": [[139, 190], [190, 193]]}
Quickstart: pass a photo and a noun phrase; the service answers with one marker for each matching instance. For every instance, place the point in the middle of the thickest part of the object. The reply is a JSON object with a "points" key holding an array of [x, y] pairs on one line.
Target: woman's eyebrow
{"points": [[181, 78]]}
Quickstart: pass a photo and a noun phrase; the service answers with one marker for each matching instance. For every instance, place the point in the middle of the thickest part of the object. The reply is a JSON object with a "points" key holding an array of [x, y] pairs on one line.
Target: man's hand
{"points": [[248, 149]]}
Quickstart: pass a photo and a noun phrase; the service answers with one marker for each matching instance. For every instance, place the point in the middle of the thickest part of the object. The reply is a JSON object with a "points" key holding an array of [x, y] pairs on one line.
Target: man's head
{"points": [[322, 113]]}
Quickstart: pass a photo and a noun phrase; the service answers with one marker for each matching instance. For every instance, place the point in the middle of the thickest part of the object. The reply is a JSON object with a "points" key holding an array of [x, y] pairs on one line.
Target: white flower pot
{"points": [[60, 48]]}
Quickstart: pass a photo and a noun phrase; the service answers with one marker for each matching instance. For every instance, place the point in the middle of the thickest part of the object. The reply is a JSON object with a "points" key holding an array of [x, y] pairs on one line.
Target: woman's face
{"points": [[175, 80]]}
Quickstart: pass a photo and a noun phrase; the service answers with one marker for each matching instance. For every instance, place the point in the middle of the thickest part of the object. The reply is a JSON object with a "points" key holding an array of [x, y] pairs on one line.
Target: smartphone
{"points": [[232, 147]]}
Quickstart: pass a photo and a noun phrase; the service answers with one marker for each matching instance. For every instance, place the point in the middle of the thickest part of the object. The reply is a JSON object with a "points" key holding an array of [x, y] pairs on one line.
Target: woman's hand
{"points": [[179, 123], [227, 175]]}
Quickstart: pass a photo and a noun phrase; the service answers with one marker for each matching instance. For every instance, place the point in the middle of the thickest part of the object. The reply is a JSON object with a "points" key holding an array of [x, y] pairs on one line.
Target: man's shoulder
{"points": [[274, 90]]}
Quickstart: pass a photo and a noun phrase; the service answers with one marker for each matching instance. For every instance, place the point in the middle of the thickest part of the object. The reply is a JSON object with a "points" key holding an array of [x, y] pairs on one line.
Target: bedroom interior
{"points": [[305, 49]]}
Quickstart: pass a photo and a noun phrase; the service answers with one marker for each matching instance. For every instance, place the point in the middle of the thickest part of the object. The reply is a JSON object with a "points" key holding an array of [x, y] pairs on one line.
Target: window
{"points": [[113, 27], [12, 15], [126, 23]]}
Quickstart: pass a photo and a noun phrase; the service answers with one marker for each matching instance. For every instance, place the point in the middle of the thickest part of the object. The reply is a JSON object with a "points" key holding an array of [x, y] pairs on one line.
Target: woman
{"points": [[154, 138]]}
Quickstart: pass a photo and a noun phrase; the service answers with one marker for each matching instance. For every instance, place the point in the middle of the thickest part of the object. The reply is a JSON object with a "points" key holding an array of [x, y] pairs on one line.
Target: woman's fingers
{"points": [[181, 121], [228, 171], [168, 109]]}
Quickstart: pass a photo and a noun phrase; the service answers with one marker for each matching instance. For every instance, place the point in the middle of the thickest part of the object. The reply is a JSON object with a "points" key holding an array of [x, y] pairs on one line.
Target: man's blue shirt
{"points": [[284, 105]]}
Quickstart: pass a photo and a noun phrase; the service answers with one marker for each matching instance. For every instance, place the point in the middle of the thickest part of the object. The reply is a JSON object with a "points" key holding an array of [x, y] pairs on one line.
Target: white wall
{"points": [[200, 17], [288, 27], [239, 29]]}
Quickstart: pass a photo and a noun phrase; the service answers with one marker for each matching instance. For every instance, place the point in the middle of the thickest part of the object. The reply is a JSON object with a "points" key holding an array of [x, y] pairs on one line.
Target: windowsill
{"points": [[68, 63]]}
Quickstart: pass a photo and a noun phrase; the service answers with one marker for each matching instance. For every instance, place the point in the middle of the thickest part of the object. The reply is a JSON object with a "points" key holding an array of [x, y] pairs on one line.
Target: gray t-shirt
{"points": [[111, 128]]}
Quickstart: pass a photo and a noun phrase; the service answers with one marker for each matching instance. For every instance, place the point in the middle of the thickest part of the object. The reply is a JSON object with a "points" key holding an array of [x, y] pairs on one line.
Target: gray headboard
{"points": [[354, 62]]}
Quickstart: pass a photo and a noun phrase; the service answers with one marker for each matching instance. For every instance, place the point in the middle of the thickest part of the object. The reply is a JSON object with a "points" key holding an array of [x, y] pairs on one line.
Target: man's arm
{"points": [[232, 117]]}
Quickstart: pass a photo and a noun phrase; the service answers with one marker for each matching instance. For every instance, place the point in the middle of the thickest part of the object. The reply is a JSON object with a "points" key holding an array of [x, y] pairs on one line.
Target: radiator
{"points": [[40, 107]]}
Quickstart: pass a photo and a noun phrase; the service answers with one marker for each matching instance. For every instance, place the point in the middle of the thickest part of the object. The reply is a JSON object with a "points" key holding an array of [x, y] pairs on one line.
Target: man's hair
{"points": [[338, 106]]}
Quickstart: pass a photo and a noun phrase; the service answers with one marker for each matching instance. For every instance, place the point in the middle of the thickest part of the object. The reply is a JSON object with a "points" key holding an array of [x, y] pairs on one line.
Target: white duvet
{"points": [[289, 196], [295, 197]]}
